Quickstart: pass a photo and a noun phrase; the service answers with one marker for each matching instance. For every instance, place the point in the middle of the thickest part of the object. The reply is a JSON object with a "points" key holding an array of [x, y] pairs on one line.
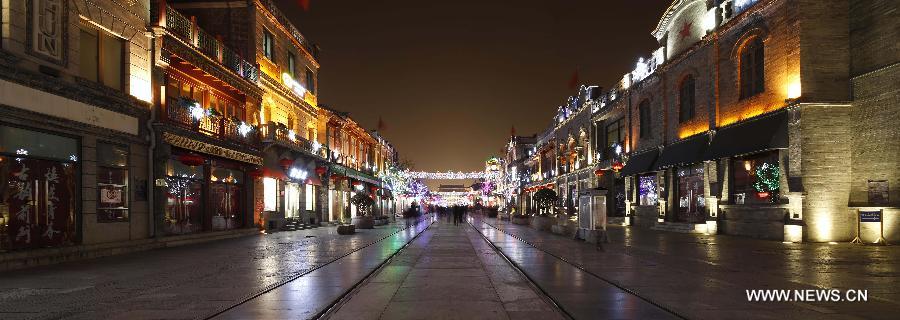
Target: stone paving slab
{"points": [[181, 282], [705, 277], [578, 293], [448, 273]]}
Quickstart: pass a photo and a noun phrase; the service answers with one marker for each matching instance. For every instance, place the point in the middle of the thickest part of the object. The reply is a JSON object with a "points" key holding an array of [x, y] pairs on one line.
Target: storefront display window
{"points": [[225, 197], [112, 183], [756, 178], [292, 200], [184, 198], [270, 194], [310, 197], [647, 193], [691, 202], [37, 189]]}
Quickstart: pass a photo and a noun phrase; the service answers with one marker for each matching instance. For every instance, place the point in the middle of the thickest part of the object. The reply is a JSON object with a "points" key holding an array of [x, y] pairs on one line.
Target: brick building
{"points": [[74, 101], [762, 118], [743, 118]]}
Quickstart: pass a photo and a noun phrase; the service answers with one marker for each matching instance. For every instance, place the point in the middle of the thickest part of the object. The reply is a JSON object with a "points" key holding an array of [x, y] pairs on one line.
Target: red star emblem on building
{"points": [[686, 30]]}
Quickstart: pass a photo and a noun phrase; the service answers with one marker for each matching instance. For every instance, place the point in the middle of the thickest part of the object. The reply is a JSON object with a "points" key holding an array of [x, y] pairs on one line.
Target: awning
{"points": [[313, 179], [683, 152], [766, 132], [274, 173], [640, 163]]}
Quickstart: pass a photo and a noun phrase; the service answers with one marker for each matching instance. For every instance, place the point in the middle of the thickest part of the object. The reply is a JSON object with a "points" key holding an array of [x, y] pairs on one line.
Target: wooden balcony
{"points": [[186, 114], [185, 29], [279, 133]]}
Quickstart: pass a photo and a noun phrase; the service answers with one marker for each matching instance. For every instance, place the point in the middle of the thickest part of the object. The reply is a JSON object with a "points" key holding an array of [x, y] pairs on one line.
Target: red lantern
{"points": [[373, 188], [616, 166], [763, 195], [356, 183], [192, 160], [286, 163], [598, 172], [321, 170]]}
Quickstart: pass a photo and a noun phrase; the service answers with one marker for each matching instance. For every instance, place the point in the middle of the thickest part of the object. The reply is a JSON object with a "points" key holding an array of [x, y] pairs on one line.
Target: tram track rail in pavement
{"points": [[252, 296], [566, 307]]}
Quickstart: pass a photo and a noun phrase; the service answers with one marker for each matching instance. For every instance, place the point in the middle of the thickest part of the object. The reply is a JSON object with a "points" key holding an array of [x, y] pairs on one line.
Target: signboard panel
{"points": [[870, 216]]}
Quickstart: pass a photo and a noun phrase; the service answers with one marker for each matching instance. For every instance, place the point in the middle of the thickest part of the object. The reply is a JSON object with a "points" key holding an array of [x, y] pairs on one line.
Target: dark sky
{"points": [[451, 77]]}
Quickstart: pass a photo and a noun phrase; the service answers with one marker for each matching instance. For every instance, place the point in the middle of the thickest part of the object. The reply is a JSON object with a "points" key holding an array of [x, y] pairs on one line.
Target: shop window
{"points": [[226, 186], [37, 189], [184, 197], [647, 190], [645, 120], [291, 200], [756, 178], [270, 196], [268, 45], [102, 57], [752, 68], [691, 200], [686, 97], [310, 197], [112, 183]]}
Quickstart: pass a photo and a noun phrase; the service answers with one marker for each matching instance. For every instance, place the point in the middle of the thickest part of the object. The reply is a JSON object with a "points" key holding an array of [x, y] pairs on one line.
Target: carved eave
{"points": [[162, 128], [174, 46]]}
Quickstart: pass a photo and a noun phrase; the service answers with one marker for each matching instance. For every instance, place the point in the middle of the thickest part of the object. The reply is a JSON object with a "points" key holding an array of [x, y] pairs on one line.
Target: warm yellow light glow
{"points": [[141, 89], [793, 90], [747, 165], [692, 129], [793, 233], [270, 187], [823, 226]]}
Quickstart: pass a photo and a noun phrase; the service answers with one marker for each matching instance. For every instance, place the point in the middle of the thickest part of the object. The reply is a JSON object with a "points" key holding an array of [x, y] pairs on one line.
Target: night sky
{"points": [[450, 78]]}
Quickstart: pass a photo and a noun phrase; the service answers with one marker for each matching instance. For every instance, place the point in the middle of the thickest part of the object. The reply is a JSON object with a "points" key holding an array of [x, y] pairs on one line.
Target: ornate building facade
{"points": [[287, 109], [761, 118], [207, 144], [358, 158]]}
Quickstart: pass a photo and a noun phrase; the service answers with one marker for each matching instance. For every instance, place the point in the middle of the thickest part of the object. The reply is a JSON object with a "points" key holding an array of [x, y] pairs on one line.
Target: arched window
{"points": [[686, 99], [752, 68], [644, 118]]}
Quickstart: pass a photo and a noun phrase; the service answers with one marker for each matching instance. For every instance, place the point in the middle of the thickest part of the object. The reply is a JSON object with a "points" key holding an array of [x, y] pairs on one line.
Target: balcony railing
{"points": [[276, 132], [188, 115], [187, 30]]}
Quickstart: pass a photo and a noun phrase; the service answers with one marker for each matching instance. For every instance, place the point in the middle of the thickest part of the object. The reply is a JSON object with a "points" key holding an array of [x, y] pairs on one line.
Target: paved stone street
{"points": [[705, 277], [193, 281], [450, 272]]}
